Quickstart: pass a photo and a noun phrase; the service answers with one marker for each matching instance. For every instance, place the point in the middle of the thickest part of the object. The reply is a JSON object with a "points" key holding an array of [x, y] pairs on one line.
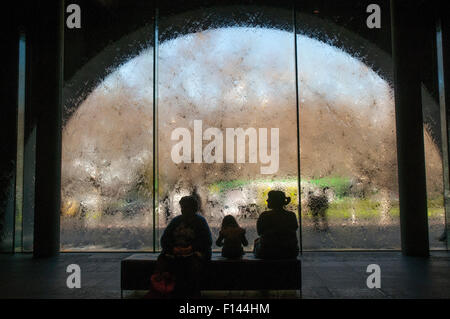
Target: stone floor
{"points": [[325, 275]]}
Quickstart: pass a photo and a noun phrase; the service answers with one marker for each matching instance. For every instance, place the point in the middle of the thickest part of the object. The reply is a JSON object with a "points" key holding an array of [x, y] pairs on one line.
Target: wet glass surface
{"points": [[233, 67]]}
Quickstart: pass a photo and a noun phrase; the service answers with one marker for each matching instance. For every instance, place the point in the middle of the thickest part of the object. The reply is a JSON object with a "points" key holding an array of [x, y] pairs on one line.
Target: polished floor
{"points": [[324, 275]]}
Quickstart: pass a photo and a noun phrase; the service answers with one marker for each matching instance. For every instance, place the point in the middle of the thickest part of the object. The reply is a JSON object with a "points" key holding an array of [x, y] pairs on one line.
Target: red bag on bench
{"points": [[162, 283]]}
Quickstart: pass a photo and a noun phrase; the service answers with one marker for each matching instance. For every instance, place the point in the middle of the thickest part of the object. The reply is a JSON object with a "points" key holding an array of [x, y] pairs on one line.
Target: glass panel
{"points": [[7, 214], [432, 135], [29, 170], [434, 172], [18, 231], [107, 138], [446, 95], [220, 69], [347, 128], [441, 200]]}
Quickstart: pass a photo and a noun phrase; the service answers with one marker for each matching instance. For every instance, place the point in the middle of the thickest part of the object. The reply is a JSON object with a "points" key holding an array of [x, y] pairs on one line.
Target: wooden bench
{"points": [[248, 273]]}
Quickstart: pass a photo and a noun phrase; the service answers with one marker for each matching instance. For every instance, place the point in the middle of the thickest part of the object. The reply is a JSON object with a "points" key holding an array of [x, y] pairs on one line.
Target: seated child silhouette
{"points": [[231, 237]]}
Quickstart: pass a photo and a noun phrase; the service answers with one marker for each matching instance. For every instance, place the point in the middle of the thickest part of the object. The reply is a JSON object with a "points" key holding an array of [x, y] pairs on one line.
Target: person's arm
{"points": [[167, 238], [244, 239], [260, 225], [203, 241], [208, 235], [219, 241], [294, 223]]}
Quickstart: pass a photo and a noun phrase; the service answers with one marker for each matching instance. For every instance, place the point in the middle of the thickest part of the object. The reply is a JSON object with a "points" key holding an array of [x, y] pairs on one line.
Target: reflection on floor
{"points": [[325, 275]]}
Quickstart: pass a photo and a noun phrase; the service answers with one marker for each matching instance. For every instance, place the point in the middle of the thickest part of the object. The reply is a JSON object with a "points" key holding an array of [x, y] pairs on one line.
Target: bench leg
{"points": [[121, 294]]}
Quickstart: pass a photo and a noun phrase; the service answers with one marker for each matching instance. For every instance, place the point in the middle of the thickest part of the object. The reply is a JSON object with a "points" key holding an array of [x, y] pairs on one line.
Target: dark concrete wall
{"points": [[8, 126]]}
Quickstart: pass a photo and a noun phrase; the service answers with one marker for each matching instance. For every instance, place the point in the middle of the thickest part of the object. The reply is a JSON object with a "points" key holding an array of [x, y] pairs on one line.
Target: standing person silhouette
{"points": [[318, 205], [277, 229]]}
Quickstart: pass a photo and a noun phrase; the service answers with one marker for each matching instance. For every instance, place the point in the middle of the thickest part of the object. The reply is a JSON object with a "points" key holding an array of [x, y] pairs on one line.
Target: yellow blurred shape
{"points": [[70, 207]]}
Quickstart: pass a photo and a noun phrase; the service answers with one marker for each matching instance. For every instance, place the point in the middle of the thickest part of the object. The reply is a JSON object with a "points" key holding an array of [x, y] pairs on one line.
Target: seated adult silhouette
{"points": [[277, 230], [186, 247]]}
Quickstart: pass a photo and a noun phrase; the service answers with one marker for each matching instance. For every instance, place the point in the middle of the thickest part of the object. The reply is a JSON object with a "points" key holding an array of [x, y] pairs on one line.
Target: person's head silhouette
{"points": [[189, 206], [277, 199], [229, 222]]}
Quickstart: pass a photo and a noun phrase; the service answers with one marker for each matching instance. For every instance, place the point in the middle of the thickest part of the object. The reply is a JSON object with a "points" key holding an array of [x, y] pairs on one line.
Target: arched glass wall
{"points": [[230, 86], [171, 96], [347, 130], [107, 138]]}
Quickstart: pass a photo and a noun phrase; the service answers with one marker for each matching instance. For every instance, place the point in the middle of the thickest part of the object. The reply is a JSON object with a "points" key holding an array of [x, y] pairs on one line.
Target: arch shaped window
{"points": [[218, 67]]}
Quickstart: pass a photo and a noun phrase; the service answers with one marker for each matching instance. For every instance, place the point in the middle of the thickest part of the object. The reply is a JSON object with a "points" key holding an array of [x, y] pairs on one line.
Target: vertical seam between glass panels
{"points": [[155, 124], [298, 129]]}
